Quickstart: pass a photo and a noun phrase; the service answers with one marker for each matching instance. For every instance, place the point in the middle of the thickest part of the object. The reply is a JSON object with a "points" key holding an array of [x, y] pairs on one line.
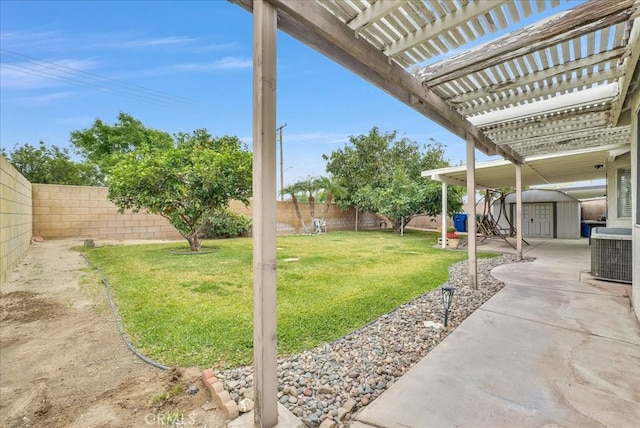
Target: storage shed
{"points": [[545, 214]]}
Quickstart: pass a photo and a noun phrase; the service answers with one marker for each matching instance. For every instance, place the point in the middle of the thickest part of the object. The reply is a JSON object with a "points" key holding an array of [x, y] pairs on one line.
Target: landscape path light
{"points": [[447, 297]]}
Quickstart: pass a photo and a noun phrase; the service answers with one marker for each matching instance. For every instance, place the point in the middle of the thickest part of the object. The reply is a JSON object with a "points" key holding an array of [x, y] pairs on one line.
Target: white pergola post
{"points": [[519, 211], [264, 214], [444, 215], [471, 219]]}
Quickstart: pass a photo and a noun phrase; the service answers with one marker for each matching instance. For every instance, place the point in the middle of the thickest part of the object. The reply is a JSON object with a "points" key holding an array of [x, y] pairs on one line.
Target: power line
{"points": [[64, 79], [62, 73]]}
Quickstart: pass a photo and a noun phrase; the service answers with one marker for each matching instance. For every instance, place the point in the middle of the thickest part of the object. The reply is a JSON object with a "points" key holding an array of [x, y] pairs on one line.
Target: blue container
{"points": [[460, 222], [586, 230]]}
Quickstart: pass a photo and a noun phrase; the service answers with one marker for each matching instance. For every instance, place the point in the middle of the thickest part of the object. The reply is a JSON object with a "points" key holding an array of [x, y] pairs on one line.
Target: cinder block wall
{"points": [[426, 222], [336, 219], [85, 212], [15, 217]]}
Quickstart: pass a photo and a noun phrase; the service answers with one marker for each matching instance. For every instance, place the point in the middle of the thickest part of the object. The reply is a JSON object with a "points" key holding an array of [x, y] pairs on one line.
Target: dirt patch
{"points": [[63, 364], [26, 306]]}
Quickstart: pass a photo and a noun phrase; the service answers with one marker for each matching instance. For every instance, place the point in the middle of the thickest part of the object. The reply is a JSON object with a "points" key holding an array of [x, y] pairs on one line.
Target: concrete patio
{"points": [[553, 348]]}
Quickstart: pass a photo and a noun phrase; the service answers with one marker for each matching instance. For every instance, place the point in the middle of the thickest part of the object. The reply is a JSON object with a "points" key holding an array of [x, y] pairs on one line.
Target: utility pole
{"points": [[279, 132]]}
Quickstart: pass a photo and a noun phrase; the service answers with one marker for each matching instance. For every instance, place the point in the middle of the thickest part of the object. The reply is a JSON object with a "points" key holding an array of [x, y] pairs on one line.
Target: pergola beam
{"points": [[630, 62]]}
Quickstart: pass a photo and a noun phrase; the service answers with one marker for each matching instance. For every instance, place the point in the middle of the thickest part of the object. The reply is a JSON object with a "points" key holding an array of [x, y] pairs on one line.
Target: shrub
{"points": [[225, 224]]}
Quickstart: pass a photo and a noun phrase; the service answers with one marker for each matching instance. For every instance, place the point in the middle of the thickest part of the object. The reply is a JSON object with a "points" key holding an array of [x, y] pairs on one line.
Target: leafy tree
{"points": [[382, 175], [52, 165], [184, 183], [312, 190], [329, 190], [101, 143]]}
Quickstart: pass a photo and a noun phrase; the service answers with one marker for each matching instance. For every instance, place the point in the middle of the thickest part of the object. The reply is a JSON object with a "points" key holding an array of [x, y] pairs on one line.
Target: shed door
{"points": [[537, 220]]}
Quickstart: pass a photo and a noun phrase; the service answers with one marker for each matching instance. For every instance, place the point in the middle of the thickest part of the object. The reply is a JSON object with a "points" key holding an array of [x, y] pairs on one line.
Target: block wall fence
{"points": [[15, 217], [85, 212]]}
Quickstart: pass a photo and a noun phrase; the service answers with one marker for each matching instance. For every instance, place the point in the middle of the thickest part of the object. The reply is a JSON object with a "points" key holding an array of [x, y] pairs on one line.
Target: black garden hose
{"points": [[114, 308]]}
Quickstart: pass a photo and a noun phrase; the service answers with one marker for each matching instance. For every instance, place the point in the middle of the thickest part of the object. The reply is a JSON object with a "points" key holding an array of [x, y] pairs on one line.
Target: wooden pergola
{"points": [[562, 85]]}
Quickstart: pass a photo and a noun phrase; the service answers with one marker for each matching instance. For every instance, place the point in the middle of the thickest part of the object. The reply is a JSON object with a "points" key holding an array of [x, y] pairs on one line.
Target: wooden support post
{"points": [[264, 214], [444, 215], [471, 219], [519, 211]]}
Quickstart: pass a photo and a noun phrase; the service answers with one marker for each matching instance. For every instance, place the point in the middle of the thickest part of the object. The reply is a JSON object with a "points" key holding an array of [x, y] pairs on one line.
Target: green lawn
{"points": [[188, 310]]}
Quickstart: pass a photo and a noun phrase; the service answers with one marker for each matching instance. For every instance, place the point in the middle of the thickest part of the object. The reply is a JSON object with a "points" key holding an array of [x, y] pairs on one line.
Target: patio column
{"points": [[444, 215], [471, 219], [519, 211], [264, 214]]}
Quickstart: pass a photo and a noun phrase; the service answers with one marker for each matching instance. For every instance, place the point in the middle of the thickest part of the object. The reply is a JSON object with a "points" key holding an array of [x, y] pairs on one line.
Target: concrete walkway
{"points": [[554, 348]]}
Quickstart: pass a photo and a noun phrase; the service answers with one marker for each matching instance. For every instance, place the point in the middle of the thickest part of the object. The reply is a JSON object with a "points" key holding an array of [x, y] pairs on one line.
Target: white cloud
{"points": [[215, 47], [45, 99], [154, 42], [132, 41], [55, 41], [21, 41], [227, 63]]}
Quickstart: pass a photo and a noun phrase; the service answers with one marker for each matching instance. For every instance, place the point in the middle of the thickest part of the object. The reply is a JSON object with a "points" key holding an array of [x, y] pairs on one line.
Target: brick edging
{"points": [[220, 395]]}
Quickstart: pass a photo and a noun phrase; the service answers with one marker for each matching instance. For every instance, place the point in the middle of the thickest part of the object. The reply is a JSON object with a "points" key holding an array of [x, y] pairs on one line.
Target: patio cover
{"points": [[584, 165], [563, 83]]}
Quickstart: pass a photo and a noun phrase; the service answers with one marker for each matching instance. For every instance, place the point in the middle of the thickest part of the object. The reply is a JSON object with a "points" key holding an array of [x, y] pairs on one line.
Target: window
{"points": [[624, 192]]}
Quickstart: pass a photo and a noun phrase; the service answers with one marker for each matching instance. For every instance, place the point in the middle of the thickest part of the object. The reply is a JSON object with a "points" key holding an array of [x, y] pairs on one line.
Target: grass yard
{"points": [[186, 310]]}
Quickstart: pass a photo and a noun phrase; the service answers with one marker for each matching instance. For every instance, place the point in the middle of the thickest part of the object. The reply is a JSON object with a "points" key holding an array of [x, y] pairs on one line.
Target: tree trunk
{"points": [[327, 206], [194, 242], [298, 213], [312, 206]]}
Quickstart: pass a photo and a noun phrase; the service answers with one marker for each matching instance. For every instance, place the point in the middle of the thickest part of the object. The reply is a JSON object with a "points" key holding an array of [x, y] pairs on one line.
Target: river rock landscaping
{"points": [[335, 380]]}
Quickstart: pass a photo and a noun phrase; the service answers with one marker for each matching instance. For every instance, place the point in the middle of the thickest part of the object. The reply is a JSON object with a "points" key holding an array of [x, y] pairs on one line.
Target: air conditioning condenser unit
{"points": [[611, 257]]}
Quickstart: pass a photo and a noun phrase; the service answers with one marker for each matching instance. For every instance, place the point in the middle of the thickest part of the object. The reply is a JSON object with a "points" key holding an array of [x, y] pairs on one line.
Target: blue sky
{"points": [[180, 66]]}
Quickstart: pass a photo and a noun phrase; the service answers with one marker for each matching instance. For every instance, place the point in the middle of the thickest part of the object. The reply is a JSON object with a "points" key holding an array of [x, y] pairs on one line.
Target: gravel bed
{"points": [[313, 385]]}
